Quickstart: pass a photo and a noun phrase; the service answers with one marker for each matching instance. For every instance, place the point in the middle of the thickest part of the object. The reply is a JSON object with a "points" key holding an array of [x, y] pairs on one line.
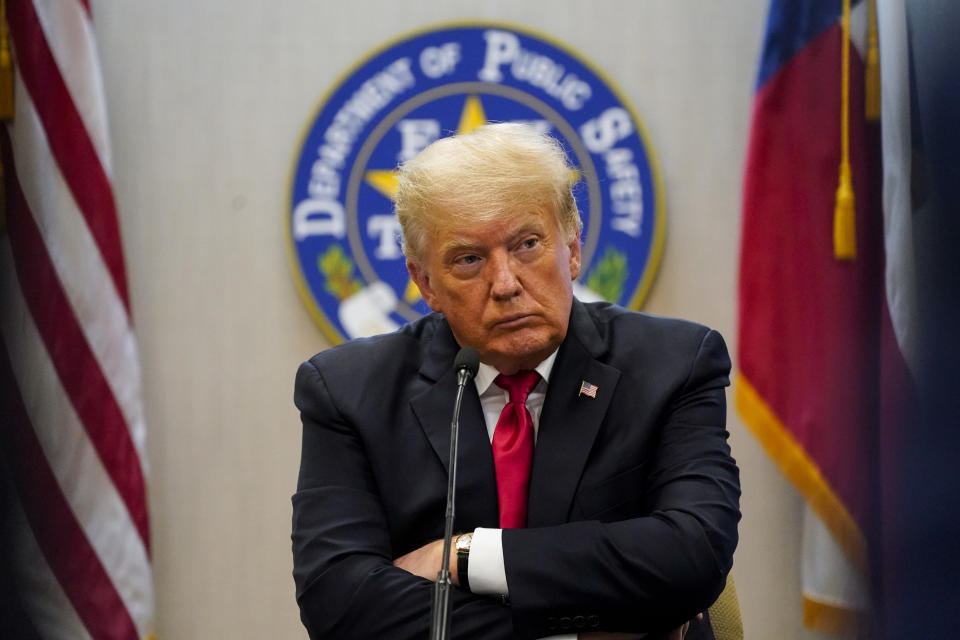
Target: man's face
{"points": [[504, 285]]}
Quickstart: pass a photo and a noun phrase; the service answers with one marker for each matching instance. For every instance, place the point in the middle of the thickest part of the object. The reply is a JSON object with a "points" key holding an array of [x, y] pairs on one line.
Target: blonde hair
{"points": [[494, 169]]}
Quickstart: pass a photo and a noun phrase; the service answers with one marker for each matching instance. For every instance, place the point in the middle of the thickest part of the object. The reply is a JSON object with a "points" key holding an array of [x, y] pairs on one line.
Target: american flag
{"points": [[71, 421], [588, 389]]}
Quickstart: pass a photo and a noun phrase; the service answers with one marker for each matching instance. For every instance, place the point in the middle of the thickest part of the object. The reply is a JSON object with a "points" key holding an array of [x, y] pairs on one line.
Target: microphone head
{"points": [[467, 360]]}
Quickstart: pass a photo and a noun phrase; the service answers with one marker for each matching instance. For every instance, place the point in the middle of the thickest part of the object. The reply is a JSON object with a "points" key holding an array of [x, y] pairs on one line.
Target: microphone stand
{"points": [[440, 623]]}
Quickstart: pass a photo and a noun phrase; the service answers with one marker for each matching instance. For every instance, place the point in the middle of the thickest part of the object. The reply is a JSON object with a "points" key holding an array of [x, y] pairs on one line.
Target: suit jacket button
{"points": [[552, 623], [565, 623], [593, 621], [579, 622]]}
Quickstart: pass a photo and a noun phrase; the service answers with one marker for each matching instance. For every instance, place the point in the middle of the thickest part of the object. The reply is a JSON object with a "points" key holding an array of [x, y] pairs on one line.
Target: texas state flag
{"points": [[810, 302]]}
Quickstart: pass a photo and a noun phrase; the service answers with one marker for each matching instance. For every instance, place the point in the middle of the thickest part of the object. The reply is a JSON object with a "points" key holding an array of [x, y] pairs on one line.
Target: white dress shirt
{"points": [[487, 573]]}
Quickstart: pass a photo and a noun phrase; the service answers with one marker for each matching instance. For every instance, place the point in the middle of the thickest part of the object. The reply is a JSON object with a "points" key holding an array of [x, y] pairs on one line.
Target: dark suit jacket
{"points": [[633, 504]]}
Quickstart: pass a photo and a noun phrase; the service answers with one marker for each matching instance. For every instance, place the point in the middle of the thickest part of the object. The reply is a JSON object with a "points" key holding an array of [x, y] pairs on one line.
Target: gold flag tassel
{"points": [[844, 221], [872, 72]]}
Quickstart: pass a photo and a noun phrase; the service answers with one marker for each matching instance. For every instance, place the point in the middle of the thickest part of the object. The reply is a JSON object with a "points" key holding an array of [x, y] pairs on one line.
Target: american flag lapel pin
{"points": [[588, 389]]}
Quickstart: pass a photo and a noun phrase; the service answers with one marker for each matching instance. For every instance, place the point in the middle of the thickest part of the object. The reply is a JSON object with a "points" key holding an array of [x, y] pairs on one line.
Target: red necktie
{"points": [[513, 448]]}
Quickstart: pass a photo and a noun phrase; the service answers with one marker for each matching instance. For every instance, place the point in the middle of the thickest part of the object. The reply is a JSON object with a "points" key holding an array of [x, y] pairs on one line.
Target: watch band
{"points": [[463, 557]]}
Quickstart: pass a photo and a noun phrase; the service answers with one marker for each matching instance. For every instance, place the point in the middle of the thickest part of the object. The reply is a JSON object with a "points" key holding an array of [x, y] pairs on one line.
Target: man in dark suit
{"points": [[622, 516]]}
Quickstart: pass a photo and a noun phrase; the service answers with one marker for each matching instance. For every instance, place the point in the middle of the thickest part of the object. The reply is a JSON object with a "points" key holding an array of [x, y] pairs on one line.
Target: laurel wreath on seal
{"points": [[337, 268], [610, 275]]}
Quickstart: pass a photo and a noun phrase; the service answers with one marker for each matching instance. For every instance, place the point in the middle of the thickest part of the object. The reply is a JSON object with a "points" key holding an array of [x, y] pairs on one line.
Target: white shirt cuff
{"points": [[485, 572]]}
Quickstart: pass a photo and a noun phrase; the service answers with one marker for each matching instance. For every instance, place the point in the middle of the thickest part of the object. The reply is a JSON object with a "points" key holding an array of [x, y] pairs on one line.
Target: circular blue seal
{"points": [[344, 238]]}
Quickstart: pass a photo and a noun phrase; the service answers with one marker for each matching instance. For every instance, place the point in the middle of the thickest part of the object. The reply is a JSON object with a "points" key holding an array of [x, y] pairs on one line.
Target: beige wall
{"points": [[207, 101]]}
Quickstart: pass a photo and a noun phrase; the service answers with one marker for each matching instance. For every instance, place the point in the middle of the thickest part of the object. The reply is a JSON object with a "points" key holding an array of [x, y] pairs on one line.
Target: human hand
{"points": [[680, 632], [426, 561], [677, 634]]}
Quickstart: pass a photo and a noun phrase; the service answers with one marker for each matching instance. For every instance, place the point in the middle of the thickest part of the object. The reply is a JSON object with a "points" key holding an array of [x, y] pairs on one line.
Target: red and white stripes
{"points": [[74, 440]]}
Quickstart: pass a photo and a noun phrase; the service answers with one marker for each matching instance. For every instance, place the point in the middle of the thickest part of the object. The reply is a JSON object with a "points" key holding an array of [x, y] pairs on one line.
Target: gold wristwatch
{"points": [[464, 540]]}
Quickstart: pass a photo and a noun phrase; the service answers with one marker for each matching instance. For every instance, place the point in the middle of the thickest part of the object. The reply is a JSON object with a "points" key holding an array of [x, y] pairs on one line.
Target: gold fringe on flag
{"points": [[844, 219], [6, 67], [6, 100], [831, 619], [872, 72]]}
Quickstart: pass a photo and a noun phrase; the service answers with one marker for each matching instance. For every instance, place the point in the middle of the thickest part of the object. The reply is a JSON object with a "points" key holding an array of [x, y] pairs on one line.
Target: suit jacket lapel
{"points": [[570, 421], [476, 478]]}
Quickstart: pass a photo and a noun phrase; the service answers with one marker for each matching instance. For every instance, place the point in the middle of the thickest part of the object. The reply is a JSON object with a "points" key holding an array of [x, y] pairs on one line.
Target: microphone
{"points": [[466, 365]]}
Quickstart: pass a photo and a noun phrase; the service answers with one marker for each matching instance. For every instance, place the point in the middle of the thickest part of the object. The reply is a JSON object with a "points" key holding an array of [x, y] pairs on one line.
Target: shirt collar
{"points": [[486, 373]]}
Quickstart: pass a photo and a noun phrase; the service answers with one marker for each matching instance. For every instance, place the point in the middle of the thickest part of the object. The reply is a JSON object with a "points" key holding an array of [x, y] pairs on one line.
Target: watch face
{"points": [[463, 542]]}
